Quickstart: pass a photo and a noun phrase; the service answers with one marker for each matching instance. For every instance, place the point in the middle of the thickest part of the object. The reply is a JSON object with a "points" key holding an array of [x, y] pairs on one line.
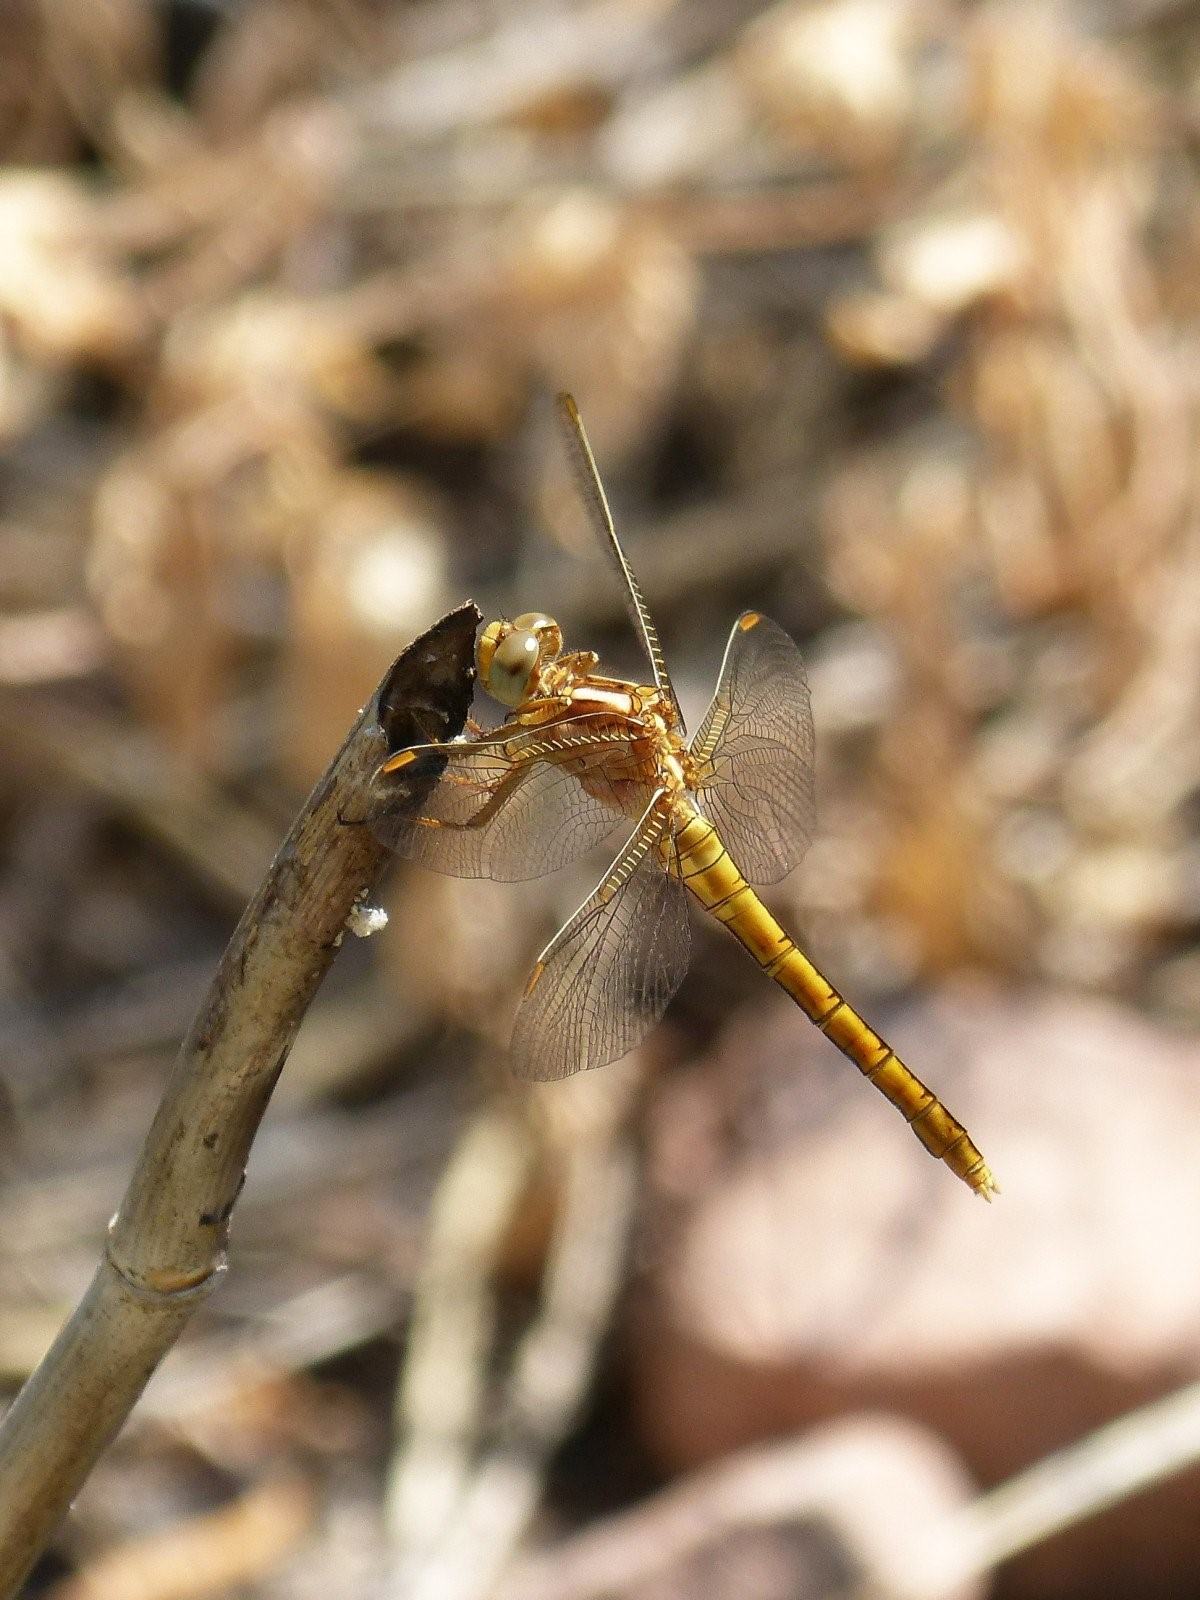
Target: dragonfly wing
{"points": [[755, 752], [494, 813], [595, 503], [605, 979]]}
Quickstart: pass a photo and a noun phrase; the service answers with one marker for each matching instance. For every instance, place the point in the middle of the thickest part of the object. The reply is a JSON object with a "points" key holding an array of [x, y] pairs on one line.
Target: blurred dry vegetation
{"points": [[883, 316]]}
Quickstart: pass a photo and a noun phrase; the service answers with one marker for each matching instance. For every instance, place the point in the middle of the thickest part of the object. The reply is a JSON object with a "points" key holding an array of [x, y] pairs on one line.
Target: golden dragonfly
{"points": [[580, 753]]}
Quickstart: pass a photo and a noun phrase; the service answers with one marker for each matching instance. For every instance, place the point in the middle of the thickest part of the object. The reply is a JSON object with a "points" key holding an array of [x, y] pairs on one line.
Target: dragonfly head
{"points": [[510, 655]]}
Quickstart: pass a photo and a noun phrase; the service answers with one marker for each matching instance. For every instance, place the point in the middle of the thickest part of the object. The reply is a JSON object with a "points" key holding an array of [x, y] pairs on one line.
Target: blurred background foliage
{"points": [[884, 317]]}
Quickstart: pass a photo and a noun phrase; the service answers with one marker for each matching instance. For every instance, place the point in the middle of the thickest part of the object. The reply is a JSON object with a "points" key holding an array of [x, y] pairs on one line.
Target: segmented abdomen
{"points": [[705, 866]]}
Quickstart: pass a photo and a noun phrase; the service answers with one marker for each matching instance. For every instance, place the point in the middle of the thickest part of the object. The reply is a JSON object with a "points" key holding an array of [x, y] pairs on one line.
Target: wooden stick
{"points": [[166, 1246]]}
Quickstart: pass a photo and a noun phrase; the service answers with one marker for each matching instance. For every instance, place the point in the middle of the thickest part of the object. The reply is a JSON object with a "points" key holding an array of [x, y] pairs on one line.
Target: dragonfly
{"points": [[711, 819]]}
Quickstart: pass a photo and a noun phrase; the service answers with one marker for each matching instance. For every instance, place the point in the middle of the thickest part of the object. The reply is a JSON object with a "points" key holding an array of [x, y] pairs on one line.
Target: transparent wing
{"points": [[496, 812], [605, 979], [595, 501], [755, 752]]}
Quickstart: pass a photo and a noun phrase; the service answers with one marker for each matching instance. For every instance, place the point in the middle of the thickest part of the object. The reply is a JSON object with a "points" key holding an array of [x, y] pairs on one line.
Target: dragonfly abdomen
{"points": [[710, 873]]}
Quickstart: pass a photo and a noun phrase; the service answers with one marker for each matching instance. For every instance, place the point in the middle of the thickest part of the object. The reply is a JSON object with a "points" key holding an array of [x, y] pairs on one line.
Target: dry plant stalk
{"points": [[166, 1245], [442, 1400], [472, 1460], [1081, 1480], [551, 1372], [939, 1557]]}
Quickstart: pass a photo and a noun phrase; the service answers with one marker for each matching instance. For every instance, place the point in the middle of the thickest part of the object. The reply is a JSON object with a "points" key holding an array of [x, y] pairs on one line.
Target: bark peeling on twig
{"points": [[166, 1245]]}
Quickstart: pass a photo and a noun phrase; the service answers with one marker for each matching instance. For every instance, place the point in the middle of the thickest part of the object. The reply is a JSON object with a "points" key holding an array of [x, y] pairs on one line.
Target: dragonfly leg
{"points": [[516, 736], [480, 819], [576, 748]]}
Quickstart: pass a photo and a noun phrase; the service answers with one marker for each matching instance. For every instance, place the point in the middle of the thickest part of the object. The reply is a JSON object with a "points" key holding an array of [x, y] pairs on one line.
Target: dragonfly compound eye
{"points": [[513, 666], [549, 634]]}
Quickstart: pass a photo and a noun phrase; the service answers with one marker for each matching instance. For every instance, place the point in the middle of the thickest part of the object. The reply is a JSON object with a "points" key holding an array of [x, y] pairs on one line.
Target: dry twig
{"points": [[470, 1465], [1129, 1455], [442, 1400], [166, 1245], [551, 1370]]}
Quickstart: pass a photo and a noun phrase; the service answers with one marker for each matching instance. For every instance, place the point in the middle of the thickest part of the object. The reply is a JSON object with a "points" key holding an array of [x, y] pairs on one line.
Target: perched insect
{"points": [[579, 754]]}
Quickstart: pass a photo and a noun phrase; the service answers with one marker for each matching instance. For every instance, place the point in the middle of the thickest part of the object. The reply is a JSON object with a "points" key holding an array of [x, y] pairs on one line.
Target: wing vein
{"points": [[595, 500]]}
